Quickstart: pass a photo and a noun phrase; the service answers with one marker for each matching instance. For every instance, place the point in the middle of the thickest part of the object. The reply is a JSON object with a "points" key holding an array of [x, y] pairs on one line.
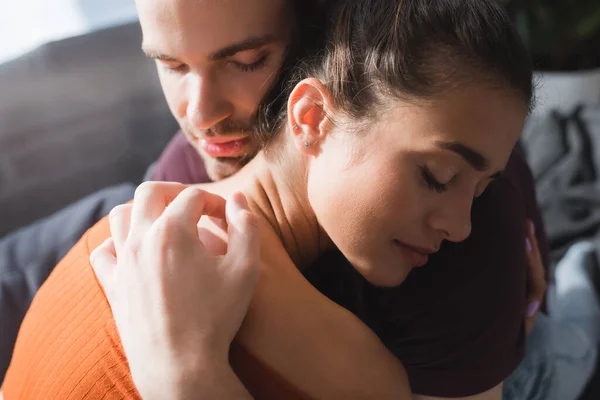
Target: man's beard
{"points": [[223, 167]]}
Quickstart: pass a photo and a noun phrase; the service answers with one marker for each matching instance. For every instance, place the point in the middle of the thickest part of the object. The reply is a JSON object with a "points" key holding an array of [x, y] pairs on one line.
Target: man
{"points": [[221, 100], [458, 331]]}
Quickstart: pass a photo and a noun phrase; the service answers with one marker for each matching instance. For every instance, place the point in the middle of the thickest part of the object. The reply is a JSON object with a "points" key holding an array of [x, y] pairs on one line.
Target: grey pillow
{"points": [[75, 116]]}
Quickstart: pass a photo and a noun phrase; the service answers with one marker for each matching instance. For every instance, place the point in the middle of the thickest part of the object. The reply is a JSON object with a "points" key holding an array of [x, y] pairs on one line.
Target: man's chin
{"points": [[221, 168]]}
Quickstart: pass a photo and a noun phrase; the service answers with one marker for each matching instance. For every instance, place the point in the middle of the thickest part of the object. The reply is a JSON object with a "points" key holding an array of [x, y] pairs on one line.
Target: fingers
{"points": [[120, 219], [104, 262], [243, 249], [191, 204], [536, 275], [149, 202]]}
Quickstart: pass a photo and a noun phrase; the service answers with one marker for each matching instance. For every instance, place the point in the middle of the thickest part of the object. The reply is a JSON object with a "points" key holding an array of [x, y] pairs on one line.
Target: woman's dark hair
{"points": [[377, 50], [307, 39]]}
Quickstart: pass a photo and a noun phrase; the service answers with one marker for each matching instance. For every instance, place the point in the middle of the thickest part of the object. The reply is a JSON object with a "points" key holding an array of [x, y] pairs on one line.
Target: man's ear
{"points": [[308, 121]]}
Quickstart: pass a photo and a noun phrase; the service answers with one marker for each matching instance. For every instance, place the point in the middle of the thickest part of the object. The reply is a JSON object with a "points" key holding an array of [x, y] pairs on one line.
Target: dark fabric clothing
{"points": [[457, 323], [28, 255], [180, 162]]}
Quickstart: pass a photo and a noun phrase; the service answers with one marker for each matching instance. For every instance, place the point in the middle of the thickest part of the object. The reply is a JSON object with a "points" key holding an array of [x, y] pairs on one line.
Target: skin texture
{"points": [[213, 90]]}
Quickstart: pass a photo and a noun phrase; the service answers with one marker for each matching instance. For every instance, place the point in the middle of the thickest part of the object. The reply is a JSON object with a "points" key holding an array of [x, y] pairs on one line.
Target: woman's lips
{"points": [[225, 146], [417, 257]]}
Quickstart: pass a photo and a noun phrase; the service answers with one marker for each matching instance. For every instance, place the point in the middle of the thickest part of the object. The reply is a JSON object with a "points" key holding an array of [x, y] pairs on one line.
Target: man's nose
{"points": [[207, 105]]}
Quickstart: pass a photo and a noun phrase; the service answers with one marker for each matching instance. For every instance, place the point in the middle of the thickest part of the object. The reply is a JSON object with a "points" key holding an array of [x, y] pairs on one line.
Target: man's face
{"points": [[216, 60]]}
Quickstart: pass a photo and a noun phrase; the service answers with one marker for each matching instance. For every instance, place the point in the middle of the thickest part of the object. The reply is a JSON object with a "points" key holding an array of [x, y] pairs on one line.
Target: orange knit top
{"points": [[69, 347]]}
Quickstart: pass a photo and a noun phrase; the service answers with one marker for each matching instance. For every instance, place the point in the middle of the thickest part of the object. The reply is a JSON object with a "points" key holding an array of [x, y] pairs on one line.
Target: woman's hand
{"points": [[176, 306], [536, 278]]}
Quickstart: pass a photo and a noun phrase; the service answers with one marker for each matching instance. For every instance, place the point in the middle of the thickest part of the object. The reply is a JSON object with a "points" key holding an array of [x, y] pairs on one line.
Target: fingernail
{"points": [[239, 206], [528, 245], [532, 308], [532, 228], [240, 200]]}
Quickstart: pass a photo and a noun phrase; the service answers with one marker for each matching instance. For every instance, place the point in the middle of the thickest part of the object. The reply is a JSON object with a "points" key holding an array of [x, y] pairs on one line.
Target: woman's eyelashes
{"points": [[431, 182], [434, 184]]}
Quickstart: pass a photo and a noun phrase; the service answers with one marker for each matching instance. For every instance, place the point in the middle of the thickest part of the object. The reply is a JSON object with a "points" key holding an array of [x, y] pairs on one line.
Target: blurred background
{"points": [[30, 23], [81, 109]]}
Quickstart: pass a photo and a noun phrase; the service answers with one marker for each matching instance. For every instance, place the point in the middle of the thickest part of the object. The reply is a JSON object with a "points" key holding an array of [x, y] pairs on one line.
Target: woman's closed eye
{"points": [[431, 182]]}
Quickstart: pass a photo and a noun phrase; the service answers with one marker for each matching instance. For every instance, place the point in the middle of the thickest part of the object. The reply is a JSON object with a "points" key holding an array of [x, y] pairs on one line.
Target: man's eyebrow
{"points": [[474, 158], [251, 43]]}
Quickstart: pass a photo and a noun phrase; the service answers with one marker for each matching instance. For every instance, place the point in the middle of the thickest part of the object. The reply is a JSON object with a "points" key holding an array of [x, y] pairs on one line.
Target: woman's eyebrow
{"points": [[474, 158]]}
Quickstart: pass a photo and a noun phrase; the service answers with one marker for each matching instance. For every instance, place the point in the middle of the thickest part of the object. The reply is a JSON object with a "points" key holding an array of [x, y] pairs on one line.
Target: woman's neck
{"points": [[277, 193]]}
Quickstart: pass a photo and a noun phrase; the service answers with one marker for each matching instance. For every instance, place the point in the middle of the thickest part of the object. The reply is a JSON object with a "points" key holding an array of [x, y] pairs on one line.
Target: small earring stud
{"points": [[295, 127], [306, 144]]}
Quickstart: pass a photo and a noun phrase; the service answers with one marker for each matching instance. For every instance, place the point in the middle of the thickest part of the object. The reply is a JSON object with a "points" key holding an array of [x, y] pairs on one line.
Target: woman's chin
{"points": [[386, 277]]}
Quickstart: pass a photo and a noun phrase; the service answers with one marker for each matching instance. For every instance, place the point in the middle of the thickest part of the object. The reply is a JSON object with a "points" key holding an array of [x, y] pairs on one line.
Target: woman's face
{"points": [[389, 196]]}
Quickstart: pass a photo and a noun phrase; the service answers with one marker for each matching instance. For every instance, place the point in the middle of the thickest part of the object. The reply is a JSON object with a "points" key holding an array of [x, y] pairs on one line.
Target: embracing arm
{"points": [[330, 334], [314, 344], [334, 354], [311, 341], [214, 382]]}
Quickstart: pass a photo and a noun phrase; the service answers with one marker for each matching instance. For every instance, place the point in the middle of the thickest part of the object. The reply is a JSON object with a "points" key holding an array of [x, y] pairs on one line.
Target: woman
{"points": [[437, 110]]}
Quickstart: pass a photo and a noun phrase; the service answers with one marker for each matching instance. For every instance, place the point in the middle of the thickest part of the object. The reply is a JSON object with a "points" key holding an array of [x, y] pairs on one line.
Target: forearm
{"points": [[315, 344], [217, 381]]}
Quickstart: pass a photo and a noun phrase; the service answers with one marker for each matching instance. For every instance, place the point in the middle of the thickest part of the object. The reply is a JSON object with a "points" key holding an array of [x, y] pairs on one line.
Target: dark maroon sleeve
{"points": [[180, 162], [518, 171], [457, 324]]}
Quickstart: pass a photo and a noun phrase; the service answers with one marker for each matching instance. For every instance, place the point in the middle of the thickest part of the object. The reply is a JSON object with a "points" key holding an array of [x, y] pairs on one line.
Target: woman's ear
{"points": [[308, 107]]}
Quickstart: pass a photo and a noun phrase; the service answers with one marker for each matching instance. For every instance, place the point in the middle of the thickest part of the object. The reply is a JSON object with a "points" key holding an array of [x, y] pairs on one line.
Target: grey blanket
{"points": [[564, 154]]}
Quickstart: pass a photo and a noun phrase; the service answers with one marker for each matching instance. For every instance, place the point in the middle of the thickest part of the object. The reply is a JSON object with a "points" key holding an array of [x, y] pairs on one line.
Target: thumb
{"points": [[104, 264], [243, 249]]}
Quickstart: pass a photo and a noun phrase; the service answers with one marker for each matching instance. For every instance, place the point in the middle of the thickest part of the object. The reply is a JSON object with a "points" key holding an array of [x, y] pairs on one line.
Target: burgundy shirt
{"points": [[180, 162], [457, 323]]}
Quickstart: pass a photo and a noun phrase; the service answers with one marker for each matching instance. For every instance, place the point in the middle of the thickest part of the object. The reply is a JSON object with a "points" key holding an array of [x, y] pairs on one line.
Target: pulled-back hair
{"points": [[375, 51]]}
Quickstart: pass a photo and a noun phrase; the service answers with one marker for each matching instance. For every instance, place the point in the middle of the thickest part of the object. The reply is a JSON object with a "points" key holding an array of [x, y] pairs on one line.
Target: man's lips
{"points": [[418, 256], [225, 146]]}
